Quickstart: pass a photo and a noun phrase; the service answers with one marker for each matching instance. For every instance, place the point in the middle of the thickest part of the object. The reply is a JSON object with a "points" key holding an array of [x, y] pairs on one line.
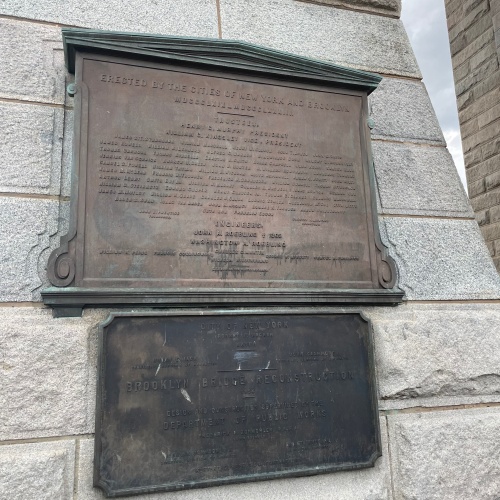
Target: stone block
{"points": [[464, 6], [446, 455], [167, 17], [476, 188], [459, 44], [460, 20], [491, 247], [494, 214], [495, 12], [473, 77], [459, 74], [491, 231], [485, 200], [437, 354], [484, 135], [468, 36], [30, 148], [32, 61], [483, 217], [44, 471], [458, 11], [496, 261], [28, 231], [365, 484], [480, 158], [469, 128], [481, 105], [469, 5], [354, 39], [402, 111], [489, 116], [387, 7], [479, 90], [441, 259], [482, 25], [485, 54], [472, 158], [451, 6], [473, 48], [490, 149], [48, 373], [418, 180], [493, 180]]}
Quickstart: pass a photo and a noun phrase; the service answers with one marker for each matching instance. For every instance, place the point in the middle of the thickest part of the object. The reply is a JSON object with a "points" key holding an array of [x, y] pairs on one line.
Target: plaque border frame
{"points": [[306, 472], [237, 58]]}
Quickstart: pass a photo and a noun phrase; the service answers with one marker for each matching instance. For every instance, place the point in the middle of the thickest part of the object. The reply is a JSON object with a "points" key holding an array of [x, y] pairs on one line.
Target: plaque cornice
{"points": [[70, 301], [220, 54]]}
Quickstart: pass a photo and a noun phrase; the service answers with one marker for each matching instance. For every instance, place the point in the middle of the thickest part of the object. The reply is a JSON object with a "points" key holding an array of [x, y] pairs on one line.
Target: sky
{"points": [[425, 23]]}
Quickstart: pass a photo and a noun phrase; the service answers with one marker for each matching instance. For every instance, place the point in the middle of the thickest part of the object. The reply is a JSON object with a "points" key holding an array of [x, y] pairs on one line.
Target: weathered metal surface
{"points": [[192, 176], [188, 400]]}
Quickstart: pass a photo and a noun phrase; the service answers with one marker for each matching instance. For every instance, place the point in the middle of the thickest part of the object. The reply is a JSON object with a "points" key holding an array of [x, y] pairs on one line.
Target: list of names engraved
{"points": [[203, 400], [201, 180]]}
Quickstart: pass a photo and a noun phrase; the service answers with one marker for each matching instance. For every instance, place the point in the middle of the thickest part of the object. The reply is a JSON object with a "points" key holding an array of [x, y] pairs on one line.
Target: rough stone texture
{"points": [[168, 17], [387, 7], [473, 77], [363, 41], [43, 471], [427, 352], [402, 111], [441, 259], [48, 373], [460, 20], [418, 180], [464, 38], [366, 484], [477, 83], [479, 90], [481, 105], [457, 9], [30, 149], [28, 231], [446, 455], [481, 136], [32, 61]]}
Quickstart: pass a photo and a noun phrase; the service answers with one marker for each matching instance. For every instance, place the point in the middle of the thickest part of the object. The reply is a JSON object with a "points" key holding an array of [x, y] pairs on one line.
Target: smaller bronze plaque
{"points": [[194, 399]]}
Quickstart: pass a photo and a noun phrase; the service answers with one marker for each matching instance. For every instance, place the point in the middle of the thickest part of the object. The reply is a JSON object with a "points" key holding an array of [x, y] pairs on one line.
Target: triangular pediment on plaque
{"points": [[234, 54]]}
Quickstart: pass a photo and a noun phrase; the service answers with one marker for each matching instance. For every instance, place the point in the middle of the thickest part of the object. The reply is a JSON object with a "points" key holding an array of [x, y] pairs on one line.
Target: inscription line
{"points": [[234, 114], [248, 370]]}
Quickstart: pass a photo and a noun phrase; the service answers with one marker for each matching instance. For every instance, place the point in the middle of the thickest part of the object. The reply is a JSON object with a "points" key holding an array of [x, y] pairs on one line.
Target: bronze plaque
{"points": [[209, 171], [187, 400], [197, 180]]}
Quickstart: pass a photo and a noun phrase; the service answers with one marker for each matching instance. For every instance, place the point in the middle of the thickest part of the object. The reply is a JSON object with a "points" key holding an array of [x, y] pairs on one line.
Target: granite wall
{"points": [[436, 355]]}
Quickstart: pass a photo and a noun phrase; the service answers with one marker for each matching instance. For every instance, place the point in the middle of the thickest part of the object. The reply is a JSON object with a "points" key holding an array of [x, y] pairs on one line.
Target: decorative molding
{"points": [[230, 55], [71, 301]]}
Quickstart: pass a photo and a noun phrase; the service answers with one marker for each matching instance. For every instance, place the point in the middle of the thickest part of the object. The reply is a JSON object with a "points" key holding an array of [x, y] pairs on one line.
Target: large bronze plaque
{"points": [[197, 177], [198, 180], [188, 400]]}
